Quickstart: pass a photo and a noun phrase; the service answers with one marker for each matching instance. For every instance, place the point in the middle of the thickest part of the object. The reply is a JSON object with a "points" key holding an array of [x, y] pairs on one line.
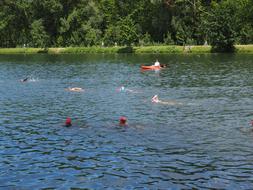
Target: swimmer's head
{"points": [[25, 79], [122, 121], [155, 98], [251, 122], [68, 122], [122, 88]]}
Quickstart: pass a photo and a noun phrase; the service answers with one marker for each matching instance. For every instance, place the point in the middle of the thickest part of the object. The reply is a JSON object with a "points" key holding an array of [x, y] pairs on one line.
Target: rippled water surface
{"points": [[202, 139]]}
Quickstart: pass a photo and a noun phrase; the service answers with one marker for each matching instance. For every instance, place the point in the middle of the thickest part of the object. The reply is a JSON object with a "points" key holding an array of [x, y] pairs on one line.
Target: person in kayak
{"points": [[157, 63]]}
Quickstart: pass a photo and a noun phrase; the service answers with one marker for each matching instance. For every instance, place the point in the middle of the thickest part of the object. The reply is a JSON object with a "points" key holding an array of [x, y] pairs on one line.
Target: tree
{"points": [[245, 13], [14, 22], [123, 33], [87, 22], [39, 35], [50, 12], [246, 34], [128, 31], [92, 36], [111, 35], [81, 27], [222, 23], [145, 39]]}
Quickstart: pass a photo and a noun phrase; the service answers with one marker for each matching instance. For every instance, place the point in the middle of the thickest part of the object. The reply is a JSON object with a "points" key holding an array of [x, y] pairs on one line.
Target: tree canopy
{"points": [[62, 23]]}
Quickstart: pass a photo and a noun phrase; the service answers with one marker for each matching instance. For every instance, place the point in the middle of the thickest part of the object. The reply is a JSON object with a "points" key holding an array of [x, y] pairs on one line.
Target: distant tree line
{"points": [[63, 23]]}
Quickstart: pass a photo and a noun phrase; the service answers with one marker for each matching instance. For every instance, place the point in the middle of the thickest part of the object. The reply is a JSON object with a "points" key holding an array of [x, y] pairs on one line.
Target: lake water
{"points": [[202, 141]]}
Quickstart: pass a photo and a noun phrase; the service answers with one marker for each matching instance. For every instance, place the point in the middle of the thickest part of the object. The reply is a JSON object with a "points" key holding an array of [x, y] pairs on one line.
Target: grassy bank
{"points": [[244, 48], [137, 50]]}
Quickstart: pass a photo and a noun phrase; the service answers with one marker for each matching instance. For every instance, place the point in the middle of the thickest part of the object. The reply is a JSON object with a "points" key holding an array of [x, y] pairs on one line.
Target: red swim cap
{"points": [[122, 120], [68, 122]]}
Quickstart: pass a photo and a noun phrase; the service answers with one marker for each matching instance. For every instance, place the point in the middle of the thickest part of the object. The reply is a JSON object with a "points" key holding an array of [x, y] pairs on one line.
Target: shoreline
{"points": [[240, 49]]}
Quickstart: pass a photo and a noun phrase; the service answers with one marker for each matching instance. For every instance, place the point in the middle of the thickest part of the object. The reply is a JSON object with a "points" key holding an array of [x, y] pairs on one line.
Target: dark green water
{"points": [[203, 141]]}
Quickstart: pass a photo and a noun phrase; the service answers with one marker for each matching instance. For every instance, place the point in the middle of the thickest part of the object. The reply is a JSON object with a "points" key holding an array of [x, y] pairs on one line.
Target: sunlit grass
{"points": [[122, 49], [244, 48]]}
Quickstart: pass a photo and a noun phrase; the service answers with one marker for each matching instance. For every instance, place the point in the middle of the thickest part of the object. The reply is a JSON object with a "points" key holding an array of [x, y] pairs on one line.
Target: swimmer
{"points": [[123, 89], [122, 121], [155, 99], [75, 89], [68, 122], [24, 80]]}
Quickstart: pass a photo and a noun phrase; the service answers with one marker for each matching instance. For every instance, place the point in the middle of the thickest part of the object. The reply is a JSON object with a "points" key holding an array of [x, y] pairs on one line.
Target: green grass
{"points": [[244, 48], [200, 49], [89, 50], [21, 50], [158, 49], [112, 50]]}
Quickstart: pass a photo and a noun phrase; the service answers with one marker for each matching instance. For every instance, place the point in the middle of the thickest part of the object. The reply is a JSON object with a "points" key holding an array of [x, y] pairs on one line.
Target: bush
{"points": [[111, 35], [145, 39], [246, 35], [168, 40]]}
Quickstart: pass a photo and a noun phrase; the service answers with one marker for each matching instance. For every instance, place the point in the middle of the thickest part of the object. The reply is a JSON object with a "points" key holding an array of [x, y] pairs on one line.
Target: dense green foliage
{"points": [[65, 23]]}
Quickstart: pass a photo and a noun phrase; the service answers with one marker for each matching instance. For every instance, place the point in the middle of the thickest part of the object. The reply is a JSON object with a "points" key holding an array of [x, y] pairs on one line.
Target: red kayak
{"points": [[152, 67]]}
